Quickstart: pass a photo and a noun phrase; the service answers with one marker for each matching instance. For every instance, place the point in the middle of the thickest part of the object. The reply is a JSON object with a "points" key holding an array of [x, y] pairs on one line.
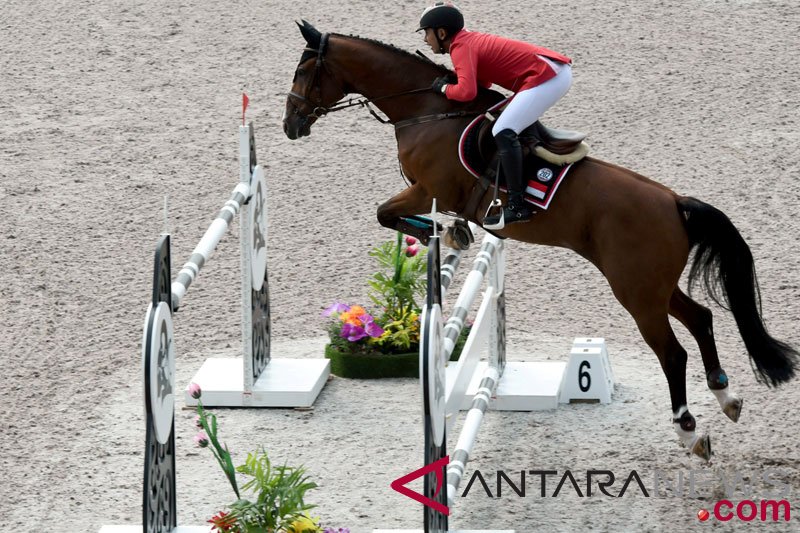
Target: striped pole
{"points": [[205, 248], [492, 315], [451, 262], [472, 285], [469, 433]]}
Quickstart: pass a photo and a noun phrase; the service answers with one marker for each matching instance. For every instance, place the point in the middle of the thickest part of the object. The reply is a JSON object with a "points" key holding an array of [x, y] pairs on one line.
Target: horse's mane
{"points": [[492, 95], [408, 55]]}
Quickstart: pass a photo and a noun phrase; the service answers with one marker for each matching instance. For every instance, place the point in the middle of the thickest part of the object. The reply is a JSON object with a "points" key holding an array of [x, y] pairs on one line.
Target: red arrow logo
{"points": [[400, 483]]}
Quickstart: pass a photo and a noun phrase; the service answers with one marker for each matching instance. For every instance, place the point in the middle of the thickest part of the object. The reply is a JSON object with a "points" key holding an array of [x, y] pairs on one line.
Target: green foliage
{"points": [[400, 331], [279, 492], [397, 291], [209, 423]]}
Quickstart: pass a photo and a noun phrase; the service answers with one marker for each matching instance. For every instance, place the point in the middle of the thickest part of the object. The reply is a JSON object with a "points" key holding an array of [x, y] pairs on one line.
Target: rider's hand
{"points": [[439, 84]]}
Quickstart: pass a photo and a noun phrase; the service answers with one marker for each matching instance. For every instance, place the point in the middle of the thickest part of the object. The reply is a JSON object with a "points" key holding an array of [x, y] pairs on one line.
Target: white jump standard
{"points": [[254, 380], [159, 512]]}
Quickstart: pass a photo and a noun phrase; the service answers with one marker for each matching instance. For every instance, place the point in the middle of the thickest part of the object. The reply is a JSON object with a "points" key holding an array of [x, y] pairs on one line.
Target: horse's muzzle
{"points": [[295, 127], [295, 124]]}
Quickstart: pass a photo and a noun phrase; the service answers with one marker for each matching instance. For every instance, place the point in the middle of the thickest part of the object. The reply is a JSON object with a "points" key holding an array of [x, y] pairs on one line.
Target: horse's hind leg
{"points": [[658, 334], [698, 320]]}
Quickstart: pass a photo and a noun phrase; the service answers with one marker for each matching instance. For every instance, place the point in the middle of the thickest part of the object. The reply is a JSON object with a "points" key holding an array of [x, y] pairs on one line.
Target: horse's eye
{"points": [[300, 72]]}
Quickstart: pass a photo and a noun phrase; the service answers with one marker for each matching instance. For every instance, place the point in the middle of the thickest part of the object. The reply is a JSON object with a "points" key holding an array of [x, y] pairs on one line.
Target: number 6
{"points": [[582, 374]]}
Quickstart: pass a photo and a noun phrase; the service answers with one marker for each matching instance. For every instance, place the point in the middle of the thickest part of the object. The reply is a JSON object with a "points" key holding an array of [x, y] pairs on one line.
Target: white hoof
{"points": [[730, 404], [733, 409], [702, 447]]}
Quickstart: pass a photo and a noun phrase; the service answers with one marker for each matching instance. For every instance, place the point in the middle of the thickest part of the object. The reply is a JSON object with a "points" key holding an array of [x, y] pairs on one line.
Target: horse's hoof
{"points": [[458, 237], [733, 409], [702, 447]]}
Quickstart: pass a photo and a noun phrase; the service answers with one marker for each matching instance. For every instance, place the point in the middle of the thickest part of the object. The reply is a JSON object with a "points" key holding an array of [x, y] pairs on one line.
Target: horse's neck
{"points": [[375, 72]]}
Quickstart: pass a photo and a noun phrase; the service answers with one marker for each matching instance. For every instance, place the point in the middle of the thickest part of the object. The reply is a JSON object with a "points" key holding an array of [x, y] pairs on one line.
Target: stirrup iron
{"points": [[500, 224]]}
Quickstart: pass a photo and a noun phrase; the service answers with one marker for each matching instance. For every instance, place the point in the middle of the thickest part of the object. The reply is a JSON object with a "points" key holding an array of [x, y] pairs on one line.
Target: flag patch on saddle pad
{"points": [[543, 185]]}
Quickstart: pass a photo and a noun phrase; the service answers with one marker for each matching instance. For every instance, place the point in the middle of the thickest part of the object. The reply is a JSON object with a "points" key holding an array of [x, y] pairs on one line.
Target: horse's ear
{"points": [[310, 34]]}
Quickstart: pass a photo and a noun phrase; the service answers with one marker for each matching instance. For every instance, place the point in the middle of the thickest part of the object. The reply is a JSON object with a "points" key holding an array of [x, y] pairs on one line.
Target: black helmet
{"points": [[442, 15]]}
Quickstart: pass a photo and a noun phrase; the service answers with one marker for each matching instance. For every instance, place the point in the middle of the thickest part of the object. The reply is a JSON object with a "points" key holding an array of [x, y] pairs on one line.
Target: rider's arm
{"points": [[465, 65]]}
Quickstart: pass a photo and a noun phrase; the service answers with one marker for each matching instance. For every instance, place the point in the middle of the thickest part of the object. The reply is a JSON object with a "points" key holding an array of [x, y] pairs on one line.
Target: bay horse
{"points": [[637, 232]]}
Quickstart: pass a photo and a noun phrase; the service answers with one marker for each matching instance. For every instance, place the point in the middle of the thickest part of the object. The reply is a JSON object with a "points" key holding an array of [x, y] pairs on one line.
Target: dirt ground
{"points": [[107, 106]]}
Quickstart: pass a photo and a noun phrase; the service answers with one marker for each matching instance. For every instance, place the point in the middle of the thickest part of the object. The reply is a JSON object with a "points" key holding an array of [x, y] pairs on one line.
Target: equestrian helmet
{"points": [[442, 15]]}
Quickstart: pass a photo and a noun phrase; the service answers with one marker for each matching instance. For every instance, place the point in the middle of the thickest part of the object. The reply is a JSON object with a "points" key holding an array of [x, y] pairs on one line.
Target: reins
{"points": [[321, 111]]}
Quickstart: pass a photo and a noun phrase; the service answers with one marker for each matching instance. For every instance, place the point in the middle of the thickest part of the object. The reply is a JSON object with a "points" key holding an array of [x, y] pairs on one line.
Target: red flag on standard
{"points": [[245, 101]]}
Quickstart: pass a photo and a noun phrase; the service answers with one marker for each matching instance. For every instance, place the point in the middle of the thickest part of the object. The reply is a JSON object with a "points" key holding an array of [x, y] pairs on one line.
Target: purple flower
{"points": [[352, 333], [370, 327], [335, 307], [201, 439], [194, 391]]}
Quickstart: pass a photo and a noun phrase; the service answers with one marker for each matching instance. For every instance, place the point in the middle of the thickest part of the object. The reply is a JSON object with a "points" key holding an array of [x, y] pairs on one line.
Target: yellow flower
{"points": [[304, 524]]}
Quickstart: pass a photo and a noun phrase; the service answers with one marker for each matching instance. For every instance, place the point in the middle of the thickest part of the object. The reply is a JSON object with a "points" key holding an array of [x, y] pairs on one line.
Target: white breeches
{"points": [[529, 105]]}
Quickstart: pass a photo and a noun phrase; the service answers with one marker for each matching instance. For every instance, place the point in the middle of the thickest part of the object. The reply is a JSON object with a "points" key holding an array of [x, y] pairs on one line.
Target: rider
{"points": [[539, 78]]}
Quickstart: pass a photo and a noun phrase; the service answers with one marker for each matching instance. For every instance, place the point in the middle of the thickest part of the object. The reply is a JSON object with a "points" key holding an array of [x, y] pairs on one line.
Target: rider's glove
{"points": [[440, 84]]}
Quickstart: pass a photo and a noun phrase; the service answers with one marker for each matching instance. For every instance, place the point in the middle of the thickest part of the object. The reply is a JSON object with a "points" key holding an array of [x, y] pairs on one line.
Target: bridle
{"points": [[319, 110]]}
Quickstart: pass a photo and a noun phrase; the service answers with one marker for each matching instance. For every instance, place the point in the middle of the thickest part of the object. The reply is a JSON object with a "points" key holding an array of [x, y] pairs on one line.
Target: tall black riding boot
{"points": [[517, 210]]}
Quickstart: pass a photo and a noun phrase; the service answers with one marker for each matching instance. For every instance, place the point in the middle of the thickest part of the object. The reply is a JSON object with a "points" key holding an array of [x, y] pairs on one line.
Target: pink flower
{"points": [[410, 240], [412, 250], [201, 439], [194, 391], [197, 421], [223, 522]]}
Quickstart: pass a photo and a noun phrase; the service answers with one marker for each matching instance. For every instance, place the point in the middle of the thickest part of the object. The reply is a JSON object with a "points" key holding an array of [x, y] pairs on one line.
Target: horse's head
{"points": [[314, 88]]}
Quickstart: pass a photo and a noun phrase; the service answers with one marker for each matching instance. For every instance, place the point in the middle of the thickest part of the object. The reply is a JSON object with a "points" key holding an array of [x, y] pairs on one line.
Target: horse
{"points": [[637, 232]]}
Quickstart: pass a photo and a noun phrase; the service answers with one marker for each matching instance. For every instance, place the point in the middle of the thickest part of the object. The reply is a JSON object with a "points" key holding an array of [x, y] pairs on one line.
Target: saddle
{"points": [[548, 155], [559, 147]]}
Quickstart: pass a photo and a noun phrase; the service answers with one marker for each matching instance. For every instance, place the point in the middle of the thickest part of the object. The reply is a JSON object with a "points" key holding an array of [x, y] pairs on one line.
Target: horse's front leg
{"points": [[401, 212]]}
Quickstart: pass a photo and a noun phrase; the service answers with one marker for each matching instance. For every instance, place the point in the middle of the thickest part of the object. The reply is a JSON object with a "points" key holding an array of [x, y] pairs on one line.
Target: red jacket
{"points": [[483, 59]]}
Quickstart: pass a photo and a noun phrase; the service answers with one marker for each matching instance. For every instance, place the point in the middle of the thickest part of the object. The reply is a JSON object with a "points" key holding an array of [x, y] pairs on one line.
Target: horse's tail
{"points": [[725, 263]]}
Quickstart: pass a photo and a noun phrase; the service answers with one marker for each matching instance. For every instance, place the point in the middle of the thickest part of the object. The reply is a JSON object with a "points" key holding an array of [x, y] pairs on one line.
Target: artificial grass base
{"points": [[379, 365]]}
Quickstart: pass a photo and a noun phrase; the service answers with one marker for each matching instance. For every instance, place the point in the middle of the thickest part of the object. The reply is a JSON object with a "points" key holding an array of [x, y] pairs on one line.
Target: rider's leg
{"points": [[510, 152], [524, 109]]}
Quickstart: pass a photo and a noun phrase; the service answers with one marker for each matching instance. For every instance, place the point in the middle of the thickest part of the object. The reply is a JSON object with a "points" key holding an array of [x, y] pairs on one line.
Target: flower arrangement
{"points": [[394, 291], [384, 344], [279, 491]]}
